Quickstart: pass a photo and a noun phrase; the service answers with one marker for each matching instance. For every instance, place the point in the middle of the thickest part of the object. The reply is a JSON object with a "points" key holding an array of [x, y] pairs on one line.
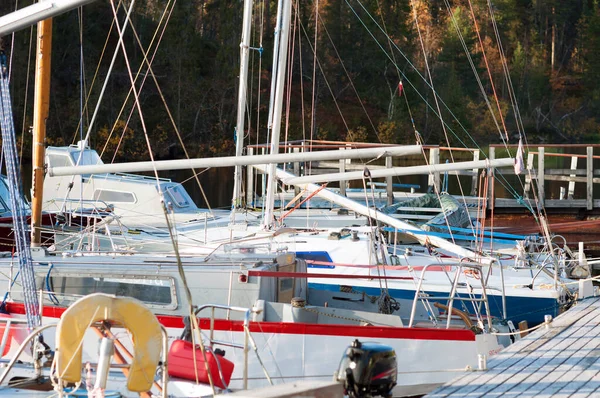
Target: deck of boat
{"points": [[562, 360]]}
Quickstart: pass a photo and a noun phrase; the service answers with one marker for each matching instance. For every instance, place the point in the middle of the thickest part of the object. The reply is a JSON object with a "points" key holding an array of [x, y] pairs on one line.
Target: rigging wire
{"points": [[91, 124], [473, 67], [502, 181], [29, 56], [436, 189], [170, 226], [405, 78], [153, 39], [258, 106], [296, 8], [362, 103], [169, 113], [335, 101], [288, 95], [18, 210], [96, 72], [489, 71], [313, 116], [172, 234]]}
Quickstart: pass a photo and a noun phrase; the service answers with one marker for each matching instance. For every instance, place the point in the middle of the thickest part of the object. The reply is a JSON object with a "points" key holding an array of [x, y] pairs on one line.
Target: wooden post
{"points": [[389, 182], [343, 184], [250, 181], [590, 178], [541, 175], [296, 172], [264, 179], [491, 200], [40, 115], [434, 178], [522, 328], [530, 157], [475, 179], [571, 190]]}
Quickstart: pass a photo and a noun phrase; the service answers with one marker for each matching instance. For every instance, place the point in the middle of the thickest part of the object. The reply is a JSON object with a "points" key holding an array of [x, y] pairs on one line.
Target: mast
{"points": [[40, 116], [242, 92], [277, 109]]}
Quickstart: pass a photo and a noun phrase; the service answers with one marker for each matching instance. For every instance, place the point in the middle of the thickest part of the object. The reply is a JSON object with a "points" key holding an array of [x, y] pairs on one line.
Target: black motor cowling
{"points": [[368, 369]]}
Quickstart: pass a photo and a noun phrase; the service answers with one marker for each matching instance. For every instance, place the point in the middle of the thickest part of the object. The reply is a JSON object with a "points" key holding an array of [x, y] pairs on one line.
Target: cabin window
{"points": [[66, 288], [55, 160], [110, 196], [88, 157], [178, 195], [285, 284]]}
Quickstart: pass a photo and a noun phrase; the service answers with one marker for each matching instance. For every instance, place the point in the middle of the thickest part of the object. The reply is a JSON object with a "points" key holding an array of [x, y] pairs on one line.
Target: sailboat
{"points": [[295, 339], [358, 258]]}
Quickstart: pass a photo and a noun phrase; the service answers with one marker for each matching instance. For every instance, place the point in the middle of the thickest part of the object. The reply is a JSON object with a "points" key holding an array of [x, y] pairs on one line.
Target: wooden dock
{"points": [[562, 166], [558, 360]]}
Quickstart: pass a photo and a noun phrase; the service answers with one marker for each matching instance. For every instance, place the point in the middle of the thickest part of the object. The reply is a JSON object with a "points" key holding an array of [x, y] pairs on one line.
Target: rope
{"points": [[91, 123], [29, 56], [531, 329], [19, 213], [48, 287]]}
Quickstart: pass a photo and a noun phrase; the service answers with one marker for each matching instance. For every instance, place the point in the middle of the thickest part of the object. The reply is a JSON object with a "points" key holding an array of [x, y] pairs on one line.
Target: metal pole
{"points": [[241, 111], [35, 13], [277, 108], [384, 218], [228, 161], [399, 171]]}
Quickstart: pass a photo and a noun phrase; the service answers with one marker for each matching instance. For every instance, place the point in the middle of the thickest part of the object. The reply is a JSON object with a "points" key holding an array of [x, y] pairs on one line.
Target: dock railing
{"points": [[546, 179]]}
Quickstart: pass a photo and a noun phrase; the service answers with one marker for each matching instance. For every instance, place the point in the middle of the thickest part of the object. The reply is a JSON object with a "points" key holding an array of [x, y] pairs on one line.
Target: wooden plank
{"points": [[541, 176], [434, 179], [571, 188], [300, 388], [585, 384], [296, 172], [389, 182], [250, 181], [352, 166], [569, 179], [342, 167], [517, 357], [491, 200], [562, 378], [590, 175], [475, 180], [528, 175], [545, 366], [504, 376]]}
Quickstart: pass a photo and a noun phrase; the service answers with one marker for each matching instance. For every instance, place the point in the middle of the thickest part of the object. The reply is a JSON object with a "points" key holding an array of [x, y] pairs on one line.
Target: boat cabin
{"points": [[134, 198]]}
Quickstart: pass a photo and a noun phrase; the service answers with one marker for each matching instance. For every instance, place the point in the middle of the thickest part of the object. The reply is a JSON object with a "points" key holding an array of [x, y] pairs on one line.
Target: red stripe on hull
{"points": [[170, 321]]}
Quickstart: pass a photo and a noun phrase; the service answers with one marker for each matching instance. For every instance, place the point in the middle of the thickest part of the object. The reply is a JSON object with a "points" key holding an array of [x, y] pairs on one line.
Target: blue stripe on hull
{"points": [[530, 309]]}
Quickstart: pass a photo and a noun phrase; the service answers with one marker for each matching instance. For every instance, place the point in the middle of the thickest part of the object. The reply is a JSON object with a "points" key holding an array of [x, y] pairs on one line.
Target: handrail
{"points": [[420, 295], [40, 329], [24, 344], [247, 337], [6, 334]]}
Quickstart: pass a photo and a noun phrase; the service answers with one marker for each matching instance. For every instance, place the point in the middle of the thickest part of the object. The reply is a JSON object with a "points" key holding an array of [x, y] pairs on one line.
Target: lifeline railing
{"points": [[8, 329], [248, 339], [421, 295], [37, 331]]}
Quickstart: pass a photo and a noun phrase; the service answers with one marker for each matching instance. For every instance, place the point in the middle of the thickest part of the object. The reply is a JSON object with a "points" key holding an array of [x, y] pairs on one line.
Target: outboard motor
{"points": [[368, 369]]}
